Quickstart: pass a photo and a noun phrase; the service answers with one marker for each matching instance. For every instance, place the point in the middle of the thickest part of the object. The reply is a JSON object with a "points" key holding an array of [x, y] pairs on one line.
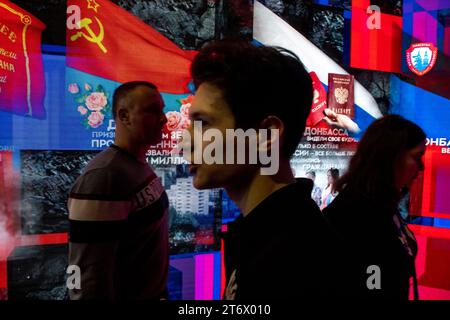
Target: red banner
{"points": [[107, 41], [22, 83], [319, 101]]}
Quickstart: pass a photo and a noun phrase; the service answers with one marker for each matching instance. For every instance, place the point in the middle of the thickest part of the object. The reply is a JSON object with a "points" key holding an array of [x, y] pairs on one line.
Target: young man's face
{"points": [[146, 116], [210, 108]]}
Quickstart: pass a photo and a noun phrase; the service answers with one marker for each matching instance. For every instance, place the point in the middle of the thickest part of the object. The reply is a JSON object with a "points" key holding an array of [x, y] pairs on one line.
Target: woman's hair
{"points": [[335, 175], [372, 168]]}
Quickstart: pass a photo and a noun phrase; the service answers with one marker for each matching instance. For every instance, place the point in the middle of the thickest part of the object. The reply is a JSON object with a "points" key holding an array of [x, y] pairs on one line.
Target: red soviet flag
{"points": [[22, 82], [114, 44]]}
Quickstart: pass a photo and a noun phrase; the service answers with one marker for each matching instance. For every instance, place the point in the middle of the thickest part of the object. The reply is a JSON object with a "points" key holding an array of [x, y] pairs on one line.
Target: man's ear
{"points": [[274, 136], [123, 115]]}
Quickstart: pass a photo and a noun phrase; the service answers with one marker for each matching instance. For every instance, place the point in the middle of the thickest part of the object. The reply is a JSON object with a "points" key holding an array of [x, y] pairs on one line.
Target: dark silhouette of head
{"points": [[377, 161]]}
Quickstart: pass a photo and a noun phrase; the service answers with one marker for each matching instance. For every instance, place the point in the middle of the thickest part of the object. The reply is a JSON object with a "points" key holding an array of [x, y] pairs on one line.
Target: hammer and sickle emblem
{"points": [[92, 37]]}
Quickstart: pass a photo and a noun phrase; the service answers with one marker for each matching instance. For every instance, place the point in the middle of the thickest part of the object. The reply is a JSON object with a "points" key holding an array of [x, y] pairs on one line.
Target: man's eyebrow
{"points": [[197, 114]]}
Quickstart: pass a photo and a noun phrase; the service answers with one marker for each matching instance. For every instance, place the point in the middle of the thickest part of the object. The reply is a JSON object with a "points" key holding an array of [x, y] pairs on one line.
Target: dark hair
{"points": [[335, 175], [313, 173], [372, 168], [124, 89], [256, 82]]}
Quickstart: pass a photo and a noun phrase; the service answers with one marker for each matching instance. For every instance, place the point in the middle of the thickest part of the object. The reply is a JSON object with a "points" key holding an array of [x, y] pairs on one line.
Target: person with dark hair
{"points": [[241, 86], [329, 193], [379, 247], [118, 209]]}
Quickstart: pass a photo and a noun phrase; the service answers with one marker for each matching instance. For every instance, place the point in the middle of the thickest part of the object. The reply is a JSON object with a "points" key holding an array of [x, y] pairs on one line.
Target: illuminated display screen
{"points": [[56, 87]]}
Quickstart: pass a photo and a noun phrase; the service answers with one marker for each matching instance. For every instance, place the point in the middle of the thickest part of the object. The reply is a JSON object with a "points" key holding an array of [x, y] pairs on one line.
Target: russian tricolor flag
{"points": [[269, 29]]}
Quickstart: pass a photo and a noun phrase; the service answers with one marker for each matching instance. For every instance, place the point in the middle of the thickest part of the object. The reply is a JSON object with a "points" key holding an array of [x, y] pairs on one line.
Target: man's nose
{"points": [[185, 144], [185, 139]]}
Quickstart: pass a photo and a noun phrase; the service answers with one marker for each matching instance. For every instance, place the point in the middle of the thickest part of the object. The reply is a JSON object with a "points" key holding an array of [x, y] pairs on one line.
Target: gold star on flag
{"points": [[93, 5]]}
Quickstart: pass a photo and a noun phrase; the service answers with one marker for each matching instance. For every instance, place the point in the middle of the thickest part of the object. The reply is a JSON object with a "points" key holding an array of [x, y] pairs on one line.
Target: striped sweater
{"points": [[118, 237]]}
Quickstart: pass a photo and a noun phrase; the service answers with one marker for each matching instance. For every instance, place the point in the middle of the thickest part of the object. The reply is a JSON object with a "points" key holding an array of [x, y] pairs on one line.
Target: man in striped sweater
{"points": [[118, 209]]}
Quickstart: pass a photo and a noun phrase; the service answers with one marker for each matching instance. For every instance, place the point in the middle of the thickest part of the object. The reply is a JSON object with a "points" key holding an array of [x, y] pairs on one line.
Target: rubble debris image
{"points": [[47, 177]]}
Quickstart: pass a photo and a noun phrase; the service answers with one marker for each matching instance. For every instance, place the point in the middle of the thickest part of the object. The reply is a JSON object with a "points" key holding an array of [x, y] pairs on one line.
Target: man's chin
{"points": [[202, 184], [199, 185]]}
